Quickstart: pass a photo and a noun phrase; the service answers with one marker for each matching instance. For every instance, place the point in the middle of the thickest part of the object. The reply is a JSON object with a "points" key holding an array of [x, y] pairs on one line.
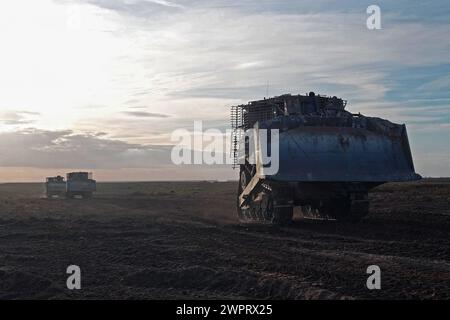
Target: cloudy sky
{"points": [[101, 84]]}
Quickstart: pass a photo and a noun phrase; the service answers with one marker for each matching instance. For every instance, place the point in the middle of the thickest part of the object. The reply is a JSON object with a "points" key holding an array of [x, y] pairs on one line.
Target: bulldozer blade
{"points": [[344, 154]]}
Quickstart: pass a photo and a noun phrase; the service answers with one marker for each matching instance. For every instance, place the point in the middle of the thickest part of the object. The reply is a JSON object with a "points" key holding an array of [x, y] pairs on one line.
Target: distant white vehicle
{"points": [[77, 184], [80, 184], [55, 187]]}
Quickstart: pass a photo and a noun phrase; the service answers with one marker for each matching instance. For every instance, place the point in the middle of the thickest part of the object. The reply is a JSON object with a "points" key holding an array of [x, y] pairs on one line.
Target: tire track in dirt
{"points": [[164, 244]]}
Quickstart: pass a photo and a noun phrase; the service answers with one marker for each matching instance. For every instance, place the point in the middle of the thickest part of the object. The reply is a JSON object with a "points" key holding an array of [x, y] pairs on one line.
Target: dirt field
{"points": [[181, 240]]}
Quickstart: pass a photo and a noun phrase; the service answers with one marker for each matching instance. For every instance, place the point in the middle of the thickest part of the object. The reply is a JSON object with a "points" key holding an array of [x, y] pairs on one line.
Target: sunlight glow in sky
{"points": [[100, 79]]}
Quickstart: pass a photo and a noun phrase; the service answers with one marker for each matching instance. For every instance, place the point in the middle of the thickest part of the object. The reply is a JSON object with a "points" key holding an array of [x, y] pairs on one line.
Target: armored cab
{"points": [[323, 158], [55, 187], [80, 184]]}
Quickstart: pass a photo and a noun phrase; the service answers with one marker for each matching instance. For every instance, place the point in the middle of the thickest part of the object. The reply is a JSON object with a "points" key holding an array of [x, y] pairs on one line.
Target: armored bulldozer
{"points": [[80, 184], [327, 158], [55, 187]]}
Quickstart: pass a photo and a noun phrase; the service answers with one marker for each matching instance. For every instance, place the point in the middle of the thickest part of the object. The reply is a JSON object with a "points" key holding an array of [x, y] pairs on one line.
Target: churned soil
{"points": [[176, 240]]}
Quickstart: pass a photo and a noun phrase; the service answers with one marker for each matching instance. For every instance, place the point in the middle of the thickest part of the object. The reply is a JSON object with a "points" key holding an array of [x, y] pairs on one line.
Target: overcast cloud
{"points": [[137, 69]]}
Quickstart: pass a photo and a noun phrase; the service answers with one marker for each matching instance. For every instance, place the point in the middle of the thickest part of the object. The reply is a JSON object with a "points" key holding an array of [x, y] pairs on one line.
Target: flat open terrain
{"points": [[182, 240]]}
